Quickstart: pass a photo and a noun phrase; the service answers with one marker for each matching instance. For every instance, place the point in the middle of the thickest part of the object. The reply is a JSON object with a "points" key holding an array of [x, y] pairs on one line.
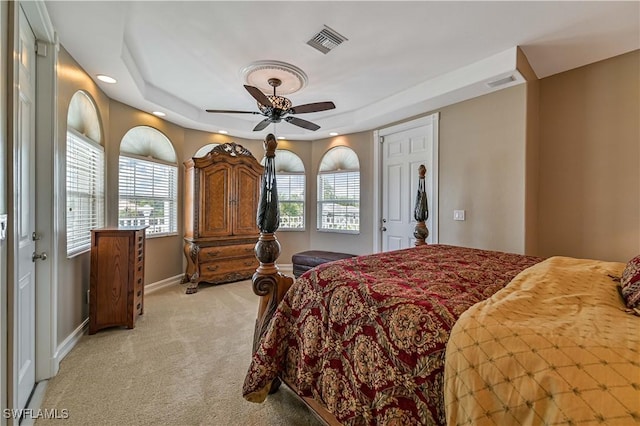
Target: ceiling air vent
{"points": [[502, 81], [326, 40]]}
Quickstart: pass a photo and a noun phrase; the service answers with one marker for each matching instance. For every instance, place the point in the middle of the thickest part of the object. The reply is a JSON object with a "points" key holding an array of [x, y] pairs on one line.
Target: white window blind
{"points": [[148, 195], [339, 201], [85, 191], [291, 200]]}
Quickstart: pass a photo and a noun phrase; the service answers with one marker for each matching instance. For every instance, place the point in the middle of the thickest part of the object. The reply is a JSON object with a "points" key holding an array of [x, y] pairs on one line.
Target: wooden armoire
{"points": [[222, 191]]}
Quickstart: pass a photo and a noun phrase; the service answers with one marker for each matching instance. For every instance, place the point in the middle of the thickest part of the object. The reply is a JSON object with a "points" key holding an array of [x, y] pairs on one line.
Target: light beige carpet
{"points": [[183, 364]]}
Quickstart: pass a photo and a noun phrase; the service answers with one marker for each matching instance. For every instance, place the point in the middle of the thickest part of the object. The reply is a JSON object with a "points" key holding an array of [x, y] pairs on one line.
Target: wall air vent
{"points": [[502, 81], [326, 40]]}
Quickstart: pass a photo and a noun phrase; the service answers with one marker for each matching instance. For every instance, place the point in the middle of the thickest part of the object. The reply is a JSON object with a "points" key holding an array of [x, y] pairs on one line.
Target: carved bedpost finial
{"points": [[270, 144], [268, 283], [422, 171], [421, 211]]}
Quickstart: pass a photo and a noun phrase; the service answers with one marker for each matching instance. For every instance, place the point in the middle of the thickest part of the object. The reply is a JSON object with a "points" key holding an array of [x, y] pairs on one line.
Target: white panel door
{"points": [[24, 175], [402, 153]]}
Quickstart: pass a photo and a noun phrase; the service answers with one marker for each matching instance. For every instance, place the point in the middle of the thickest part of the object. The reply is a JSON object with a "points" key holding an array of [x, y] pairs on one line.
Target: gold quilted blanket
{"points": [[554, 346]]}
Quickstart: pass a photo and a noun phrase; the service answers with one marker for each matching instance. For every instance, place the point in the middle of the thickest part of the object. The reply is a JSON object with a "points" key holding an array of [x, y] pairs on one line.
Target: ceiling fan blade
{"points": [[261, 125], [302, 123], [229, 111], [258, 95], [314, 107]]}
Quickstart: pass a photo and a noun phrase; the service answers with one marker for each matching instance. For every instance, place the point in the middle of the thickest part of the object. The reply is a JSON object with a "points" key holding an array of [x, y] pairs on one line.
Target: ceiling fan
{"points": [[277, 108]]}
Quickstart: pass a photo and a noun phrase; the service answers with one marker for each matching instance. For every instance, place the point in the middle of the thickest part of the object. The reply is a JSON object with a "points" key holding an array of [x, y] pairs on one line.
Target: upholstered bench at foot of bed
{"points": [[306, 260]]}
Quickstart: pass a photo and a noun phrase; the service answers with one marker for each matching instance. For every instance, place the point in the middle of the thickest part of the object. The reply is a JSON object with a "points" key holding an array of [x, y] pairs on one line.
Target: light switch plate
{"points": [[458, 215]]}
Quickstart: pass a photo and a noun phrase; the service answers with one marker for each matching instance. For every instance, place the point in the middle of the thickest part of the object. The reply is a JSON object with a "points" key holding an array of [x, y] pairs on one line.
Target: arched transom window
{"points": [[84, 174], [339, 191], [205, 150], [148, 182], [291, 184]]}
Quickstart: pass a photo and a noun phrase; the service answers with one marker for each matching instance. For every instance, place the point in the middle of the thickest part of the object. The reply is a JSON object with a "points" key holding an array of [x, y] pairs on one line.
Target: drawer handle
{"points": [[213, 253], [138, 306], [212, 268], [248, 249], [139, 268], [139, 292], [139, 280], [248, 262]]}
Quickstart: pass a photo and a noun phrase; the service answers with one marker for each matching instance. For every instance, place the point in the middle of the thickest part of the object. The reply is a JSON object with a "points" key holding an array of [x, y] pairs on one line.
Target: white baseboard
{"points": [[167, 282], [286, 268], [71, 340]]}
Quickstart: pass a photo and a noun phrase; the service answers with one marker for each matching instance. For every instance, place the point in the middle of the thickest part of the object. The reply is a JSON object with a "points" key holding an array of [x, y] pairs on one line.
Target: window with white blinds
{"points": [[339, 201], [291, 200], [148, 195], [85, 191]]}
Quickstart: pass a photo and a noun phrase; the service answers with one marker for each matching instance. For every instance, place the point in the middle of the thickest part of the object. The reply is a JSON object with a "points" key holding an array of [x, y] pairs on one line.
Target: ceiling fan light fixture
{"points": [[279, 102]]}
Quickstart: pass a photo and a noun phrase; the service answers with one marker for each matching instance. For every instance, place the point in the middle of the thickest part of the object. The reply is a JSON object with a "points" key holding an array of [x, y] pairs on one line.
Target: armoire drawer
{"points": [[240, 264], [212, 253]]}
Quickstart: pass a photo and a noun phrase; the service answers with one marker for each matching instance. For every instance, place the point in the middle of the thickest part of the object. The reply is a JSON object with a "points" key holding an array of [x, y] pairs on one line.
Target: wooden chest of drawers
{"points": [[221, 260], [116, 295]]}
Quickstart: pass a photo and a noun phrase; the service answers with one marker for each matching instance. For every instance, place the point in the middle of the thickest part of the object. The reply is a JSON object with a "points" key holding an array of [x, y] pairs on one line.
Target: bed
{"points": [[366, 340], [555, 346], [366, 336]]}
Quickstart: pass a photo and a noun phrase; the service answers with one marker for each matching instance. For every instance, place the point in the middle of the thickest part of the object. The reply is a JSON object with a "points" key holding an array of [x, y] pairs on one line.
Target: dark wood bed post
{"points": [[268, 283], [421, 211]]}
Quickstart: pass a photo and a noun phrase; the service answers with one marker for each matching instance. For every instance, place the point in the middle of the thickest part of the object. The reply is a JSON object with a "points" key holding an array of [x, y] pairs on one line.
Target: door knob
{"points": [[383, 229], [35, 256]]}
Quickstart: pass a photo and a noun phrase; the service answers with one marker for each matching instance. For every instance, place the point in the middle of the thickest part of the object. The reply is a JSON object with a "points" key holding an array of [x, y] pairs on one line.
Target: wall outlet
{"points": [[458, 215]]}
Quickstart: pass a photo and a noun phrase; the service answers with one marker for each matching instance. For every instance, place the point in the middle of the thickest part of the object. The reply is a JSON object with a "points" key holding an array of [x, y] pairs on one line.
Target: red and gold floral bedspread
{"points": [[366, 336]]}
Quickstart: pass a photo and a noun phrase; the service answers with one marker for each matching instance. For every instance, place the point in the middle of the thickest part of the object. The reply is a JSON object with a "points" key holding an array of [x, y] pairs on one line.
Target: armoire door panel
{"points": [[215, 218], [246, 198]]}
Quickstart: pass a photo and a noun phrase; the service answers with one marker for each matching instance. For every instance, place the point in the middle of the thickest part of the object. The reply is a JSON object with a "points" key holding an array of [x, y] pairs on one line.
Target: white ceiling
{"points": [[400, 59]]}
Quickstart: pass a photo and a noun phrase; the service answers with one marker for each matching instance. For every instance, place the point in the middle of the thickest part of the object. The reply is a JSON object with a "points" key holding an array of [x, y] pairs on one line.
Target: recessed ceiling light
{"points": [[281, 138], [223, 132], [334, 134], [159, 113], [106, 78]]}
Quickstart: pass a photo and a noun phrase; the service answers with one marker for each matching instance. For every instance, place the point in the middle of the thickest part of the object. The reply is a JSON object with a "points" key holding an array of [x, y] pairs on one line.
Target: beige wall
{"points": [[73, 274], [589, 155], [482, 171]]}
